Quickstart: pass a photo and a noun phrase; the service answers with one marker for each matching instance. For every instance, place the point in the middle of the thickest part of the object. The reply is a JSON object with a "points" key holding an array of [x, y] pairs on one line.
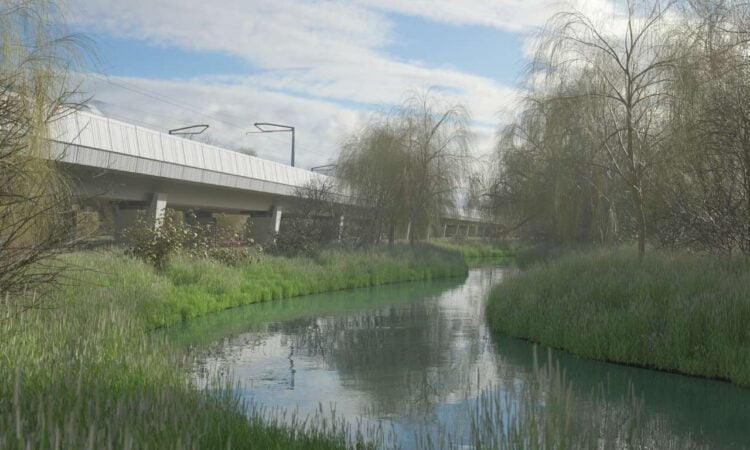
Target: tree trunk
{"points": [[641, 225]]}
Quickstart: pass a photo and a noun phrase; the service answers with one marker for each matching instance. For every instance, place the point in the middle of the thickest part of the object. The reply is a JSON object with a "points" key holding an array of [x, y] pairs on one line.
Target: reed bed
{"points": [[676, 312]]}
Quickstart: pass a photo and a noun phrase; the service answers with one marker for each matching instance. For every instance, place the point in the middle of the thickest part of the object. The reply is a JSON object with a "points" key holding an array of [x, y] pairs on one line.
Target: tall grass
{"points": [[83, 371], [672, 311], [473, 249], [195, 287], [545, 413]]}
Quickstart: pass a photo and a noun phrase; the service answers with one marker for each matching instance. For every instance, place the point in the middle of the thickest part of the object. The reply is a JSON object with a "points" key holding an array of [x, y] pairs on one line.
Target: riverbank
{"points": [[82, 370], [192, 287], [672, 311], [477, 248]]}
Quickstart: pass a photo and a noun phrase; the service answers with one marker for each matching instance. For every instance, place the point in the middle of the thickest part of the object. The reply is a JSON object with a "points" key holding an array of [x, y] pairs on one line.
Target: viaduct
{"points": [[139, 169]]}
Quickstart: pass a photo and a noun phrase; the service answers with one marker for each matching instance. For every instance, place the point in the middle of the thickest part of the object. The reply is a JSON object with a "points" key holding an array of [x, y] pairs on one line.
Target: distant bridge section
{"points": [[138, 168]]}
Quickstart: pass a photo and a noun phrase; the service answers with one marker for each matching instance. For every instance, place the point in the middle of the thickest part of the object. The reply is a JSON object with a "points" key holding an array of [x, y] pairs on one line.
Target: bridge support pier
{"points": [[158, 208], [266, 225]]}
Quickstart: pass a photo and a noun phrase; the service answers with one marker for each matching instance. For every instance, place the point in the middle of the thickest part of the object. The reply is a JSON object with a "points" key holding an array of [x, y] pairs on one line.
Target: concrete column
{"points": [[158, 208], [429, 231], [445, 229], [341, 227], [408, 231], [276, 214], [468, 229], [266, 225]]}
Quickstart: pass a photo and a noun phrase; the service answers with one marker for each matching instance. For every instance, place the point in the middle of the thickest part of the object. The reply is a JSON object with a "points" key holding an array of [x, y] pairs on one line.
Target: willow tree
{"points": [[707, 193], [35, 203], [406, 167], [552, 182], [437, 138], [627, 66], [371, 167]]}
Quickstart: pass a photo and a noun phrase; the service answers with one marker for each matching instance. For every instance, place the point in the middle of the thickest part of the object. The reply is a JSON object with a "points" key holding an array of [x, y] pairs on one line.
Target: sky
{"points": [[323, 66]]}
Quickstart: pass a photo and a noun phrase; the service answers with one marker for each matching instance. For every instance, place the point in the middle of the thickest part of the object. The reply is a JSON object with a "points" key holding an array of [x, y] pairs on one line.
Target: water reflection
{"points": [[417, 354]]}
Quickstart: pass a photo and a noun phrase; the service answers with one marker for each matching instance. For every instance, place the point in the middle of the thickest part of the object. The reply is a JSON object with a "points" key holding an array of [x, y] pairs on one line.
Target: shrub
{"points": [[155, 243], [236, 256]]}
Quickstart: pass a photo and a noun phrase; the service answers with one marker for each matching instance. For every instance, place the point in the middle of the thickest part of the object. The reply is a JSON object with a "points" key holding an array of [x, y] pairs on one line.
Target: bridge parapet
{"points": [[91, 140]]}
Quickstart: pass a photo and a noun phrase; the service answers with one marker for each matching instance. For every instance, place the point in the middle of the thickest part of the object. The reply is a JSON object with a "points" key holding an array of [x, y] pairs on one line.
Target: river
{"points": [[412, 358]]}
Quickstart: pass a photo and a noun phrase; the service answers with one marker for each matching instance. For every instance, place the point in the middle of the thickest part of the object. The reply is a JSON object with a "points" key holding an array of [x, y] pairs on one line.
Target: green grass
{"points": [[672, 311], [83, 370], [475, 249], [82, 373], [190, 287], [204, 332]]}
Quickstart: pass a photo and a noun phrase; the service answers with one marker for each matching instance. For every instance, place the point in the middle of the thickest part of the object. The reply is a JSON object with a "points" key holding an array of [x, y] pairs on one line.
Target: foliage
{"points": [[312, 222], [674, 311], [236, 256], [35, 203], [156, 240], [405, 169], [634, 128]]}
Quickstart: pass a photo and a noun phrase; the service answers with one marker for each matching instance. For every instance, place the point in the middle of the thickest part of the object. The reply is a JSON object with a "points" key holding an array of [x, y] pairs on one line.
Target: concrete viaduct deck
{"points": [[138, 168]]}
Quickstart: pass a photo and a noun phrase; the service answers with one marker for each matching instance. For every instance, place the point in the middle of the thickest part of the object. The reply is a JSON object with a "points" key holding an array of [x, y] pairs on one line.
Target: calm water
{"points": [[413, 356]]}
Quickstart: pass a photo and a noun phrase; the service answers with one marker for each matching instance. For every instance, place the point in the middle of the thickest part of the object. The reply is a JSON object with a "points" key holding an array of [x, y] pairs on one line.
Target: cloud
{"points": [[321, 64], [231, 111]]}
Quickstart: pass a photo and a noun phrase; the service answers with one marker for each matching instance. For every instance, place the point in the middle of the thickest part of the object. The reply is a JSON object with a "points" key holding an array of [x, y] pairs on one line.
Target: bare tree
{"points": [[628, 68]]}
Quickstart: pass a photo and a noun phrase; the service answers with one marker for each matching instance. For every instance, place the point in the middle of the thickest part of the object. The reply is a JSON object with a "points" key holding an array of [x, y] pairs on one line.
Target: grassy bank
{"points": [[191, 287], [674, 312], [476, 249], [84, 372]]}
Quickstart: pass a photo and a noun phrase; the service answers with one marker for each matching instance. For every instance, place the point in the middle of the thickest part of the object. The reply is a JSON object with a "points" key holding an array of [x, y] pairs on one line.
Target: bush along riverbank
{"points": [[81, 370], [671, 311]]}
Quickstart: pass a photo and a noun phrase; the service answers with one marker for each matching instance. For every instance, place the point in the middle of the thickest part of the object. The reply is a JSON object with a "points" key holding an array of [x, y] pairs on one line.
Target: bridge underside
{"points": [[128, 195], [102, 184]]}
